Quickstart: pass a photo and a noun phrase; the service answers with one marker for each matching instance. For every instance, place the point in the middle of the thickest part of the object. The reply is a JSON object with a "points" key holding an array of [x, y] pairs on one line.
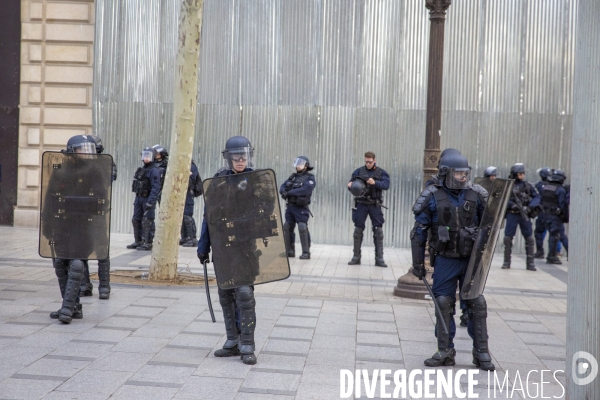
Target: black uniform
{"points": [[297, 191]]}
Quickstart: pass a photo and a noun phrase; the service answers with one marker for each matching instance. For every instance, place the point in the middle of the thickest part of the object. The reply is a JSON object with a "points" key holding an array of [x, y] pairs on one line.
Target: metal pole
{"points": [[583, 312], [409, 285]]}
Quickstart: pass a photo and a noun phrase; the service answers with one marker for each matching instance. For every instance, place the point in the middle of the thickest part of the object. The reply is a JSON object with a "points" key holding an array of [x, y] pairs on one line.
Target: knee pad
{"points": [[478, 307], [60, 267], [378, 232], [225, 297], [188, 219], [508, 240], [302, 227], [286, 226], [358, 233], [104, 263], [446, 303], [245, 297], [76, 268]]}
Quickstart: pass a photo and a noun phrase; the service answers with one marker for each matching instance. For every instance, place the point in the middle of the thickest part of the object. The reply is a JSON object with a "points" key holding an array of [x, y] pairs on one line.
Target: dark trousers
{"points": [[556, 228], [293, 215], [516, 220], [362, 211], [448, 275], [138, 209]]}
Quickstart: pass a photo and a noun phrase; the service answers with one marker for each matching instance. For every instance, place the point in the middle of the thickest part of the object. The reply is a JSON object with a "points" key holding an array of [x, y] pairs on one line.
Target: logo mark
{"points": [[582, 363]]}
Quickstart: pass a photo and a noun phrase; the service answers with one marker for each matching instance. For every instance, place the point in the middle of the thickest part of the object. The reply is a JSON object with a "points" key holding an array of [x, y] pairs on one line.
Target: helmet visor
{"points": [[300, 162], [458, 178], [84, 148], [147, 156], [238, 159]]}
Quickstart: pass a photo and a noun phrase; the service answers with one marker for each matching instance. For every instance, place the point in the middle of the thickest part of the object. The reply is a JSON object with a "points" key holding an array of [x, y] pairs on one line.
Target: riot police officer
{"points": [[103, 265], [146, 186], [70, 272], [188, 225], [435, 179], [451, 210], [523, 205], [556, 211], [491, 173], [367, 185], [297, 191], [540, 223], [238, 302]]}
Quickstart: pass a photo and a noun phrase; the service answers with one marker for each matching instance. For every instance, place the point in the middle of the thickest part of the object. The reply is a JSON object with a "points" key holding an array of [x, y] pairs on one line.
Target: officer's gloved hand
{"points": [[527, 210], [284, 195], [419, 271], [514, 207], [203, 257], [147, 206]]}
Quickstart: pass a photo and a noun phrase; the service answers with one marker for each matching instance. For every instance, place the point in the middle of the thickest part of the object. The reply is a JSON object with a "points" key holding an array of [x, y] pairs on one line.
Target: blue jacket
{"points": [[204, 242], [381, 184], [155, 189]]}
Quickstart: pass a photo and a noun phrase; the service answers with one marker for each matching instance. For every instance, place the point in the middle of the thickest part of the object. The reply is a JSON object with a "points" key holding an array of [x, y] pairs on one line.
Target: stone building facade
{"points": [[57, 44]]}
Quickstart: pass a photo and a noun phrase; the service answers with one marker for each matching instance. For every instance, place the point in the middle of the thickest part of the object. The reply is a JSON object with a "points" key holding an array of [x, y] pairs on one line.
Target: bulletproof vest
{"points": [[373, 195], [550, 199], [296, 181], [141, 181], [523, 191], [454, 234]]}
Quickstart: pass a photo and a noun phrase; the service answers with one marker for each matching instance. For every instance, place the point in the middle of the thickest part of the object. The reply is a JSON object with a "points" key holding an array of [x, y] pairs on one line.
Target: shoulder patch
{"points": [[311, 182], [423, 199]]}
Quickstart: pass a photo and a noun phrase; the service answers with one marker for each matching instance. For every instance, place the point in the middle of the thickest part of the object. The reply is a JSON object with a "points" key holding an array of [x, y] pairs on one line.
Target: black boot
{"points": [[104, 278], [247, 306], [182, 233], [478, 315], [137, 234], [146, 234], [445, 354], [529, 247], [190, 227], [71, 297], [358, 238], [86, 285], [464, 318], [508, 242], [61, 269], [378, 240], [287, 237], [539, 254], [552, 244], [304, 241], [230, 348], [77, 313]]}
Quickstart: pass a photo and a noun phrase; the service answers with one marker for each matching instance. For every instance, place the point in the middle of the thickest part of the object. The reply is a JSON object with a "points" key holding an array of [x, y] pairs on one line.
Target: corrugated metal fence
{"points": [[331, 79]]}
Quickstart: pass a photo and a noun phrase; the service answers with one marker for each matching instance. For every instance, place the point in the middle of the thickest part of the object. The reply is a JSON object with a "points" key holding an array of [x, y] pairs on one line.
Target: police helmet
{"points": [[490, 171], [447, 151], [358, 187], [162, 151], [304, 162], [515, 169], [81, 144], [544, 173], [148, 155], [558, 175], [98, 143], [238, 148], [454, 169]]}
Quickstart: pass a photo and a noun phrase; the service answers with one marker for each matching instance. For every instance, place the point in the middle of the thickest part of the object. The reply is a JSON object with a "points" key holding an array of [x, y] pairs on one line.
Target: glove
{"points": [[203, 257], [527, 210], [284, 195], [419, 271], [148, 206], [514, 207]]}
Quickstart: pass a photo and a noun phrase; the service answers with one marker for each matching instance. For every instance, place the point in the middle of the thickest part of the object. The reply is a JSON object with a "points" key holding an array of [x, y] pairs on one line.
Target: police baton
{"points": [[212, 314], [437, 306]]}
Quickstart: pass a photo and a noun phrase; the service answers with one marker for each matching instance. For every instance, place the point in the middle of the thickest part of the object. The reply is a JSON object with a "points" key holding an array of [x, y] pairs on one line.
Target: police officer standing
{"points": [[556, 211], [451, 210], [523, 204], [188, 225], [103, 265], [367, 185], [540, 222], [239, 305], [296, 191], [146, 186], [490, 173]]}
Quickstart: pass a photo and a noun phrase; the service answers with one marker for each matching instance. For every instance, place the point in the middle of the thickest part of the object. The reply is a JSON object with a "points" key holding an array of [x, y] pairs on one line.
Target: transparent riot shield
{"points": [[486, 183], [75, 205], [483, 250], [245, 229]]}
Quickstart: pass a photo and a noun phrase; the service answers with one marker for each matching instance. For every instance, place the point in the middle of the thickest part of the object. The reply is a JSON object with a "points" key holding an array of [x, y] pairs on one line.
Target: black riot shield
{"points": [[245, 229], [486, 183], [75, 205], [483, 250]]}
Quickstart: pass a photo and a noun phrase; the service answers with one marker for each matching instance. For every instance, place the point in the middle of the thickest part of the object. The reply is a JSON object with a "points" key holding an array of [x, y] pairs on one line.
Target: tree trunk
{"points": [[166, 243]]}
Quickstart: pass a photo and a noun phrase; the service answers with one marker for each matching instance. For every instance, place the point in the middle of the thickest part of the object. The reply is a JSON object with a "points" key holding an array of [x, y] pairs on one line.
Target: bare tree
{"points": [[165, 251]]}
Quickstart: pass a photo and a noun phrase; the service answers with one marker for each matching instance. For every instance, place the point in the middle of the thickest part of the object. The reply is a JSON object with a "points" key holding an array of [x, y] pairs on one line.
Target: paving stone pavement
{"points": [[157, 343]]}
